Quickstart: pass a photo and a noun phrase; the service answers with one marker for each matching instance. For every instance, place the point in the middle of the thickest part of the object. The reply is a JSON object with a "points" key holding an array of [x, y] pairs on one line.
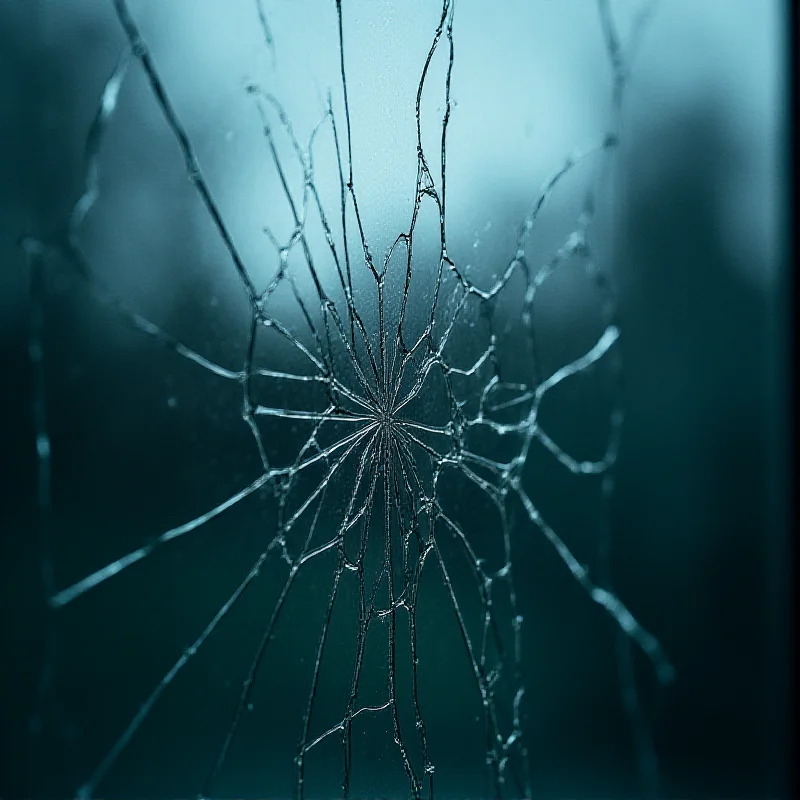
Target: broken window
{"points": [[399, 383]]}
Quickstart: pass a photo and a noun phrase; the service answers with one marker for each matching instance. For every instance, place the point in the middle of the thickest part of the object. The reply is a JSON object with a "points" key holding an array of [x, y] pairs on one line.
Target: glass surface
{"points": [[396, 399]]}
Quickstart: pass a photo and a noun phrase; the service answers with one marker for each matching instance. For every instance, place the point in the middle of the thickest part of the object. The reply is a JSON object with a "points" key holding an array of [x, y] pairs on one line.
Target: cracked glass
{"points": [[394, 382]]}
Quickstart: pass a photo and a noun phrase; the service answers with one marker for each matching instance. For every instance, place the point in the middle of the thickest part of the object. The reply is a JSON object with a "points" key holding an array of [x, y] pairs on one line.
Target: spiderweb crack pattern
{"points": [[374, 440]]}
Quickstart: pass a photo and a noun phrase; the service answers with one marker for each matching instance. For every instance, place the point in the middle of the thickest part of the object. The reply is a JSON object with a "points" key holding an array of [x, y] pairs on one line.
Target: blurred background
{"points": [[693, 226]]}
